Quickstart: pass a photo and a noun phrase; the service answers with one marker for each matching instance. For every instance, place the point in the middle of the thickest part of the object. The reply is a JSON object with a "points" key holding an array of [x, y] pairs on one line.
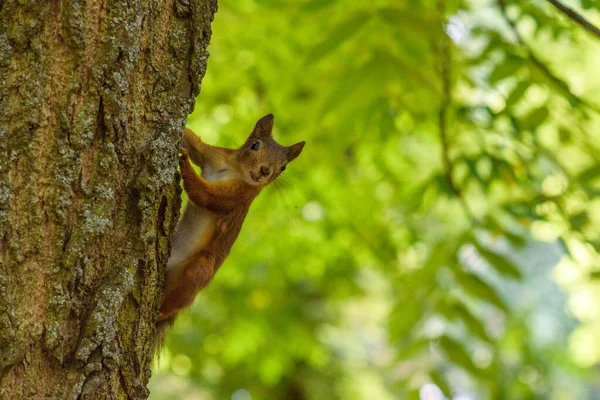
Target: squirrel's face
{"points": [[261, 158]]}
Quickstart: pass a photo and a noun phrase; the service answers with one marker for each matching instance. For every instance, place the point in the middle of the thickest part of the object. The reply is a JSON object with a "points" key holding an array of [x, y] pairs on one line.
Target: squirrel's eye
{"points": [[283, 168], [255, 145]]}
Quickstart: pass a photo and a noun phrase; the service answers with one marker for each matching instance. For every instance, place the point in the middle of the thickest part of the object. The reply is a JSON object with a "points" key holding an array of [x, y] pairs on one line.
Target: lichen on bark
{"points": [[94, 95]]}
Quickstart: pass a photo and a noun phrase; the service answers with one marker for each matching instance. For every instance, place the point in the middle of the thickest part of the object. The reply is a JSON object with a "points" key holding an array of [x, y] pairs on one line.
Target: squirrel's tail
{"points": [[160, 330]]}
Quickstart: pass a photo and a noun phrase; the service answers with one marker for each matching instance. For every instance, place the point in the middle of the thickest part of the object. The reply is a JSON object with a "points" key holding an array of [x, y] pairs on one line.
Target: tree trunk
{"points": [[94, 95]]}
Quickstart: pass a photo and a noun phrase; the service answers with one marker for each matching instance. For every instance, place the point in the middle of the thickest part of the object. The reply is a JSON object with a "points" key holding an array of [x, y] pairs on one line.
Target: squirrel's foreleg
{"points": [[217, 197]]}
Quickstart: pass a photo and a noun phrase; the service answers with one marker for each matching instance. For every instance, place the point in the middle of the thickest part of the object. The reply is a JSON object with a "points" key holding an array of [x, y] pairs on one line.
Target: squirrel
{"points": [[218, 203]]}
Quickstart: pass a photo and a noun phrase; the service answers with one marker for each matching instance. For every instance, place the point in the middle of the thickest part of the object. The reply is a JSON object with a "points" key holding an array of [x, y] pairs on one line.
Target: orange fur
{"points": [[219, 201]]}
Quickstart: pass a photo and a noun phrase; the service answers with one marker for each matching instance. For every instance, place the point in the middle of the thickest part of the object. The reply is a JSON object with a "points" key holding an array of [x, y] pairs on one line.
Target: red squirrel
{"points": [[219, 200]]}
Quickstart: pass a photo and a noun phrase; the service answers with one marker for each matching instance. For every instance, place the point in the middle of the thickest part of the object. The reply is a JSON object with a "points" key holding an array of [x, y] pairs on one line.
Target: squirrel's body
{"points": [[219, 201], [196, 227]]}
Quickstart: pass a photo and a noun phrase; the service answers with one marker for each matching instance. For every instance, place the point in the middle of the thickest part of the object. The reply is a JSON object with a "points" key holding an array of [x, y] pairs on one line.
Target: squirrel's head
{"points": [[261, 158]]}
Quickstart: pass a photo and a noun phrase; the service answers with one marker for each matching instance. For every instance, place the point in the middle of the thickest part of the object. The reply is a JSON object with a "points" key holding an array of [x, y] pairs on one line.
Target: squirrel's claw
{"points": [[183, 154]]}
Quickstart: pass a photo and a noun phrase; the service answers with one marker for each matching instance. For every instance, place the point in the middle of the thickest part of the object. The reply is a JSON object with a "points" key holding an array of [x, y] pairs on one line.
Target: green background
{"points": [[439, 234]]}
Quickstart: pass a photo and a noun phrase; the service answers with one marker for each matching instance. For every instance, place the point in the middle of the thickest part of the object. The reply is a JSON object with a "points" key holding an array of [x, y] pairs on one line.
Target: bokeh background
{"points": [[439, 235]]}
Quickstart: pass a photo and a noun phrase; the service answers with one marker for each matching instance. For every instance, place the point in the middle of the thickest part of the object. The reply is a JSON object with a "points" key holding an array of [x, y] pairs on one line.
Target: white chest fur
{"points": [[195, 221], [190, 230]]}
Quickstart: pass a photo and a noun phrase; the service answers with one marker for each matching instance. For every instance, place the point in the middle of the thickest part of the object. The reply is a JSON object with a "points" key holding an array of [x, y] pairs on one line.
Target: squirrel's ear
{"points": [[294, 150], [264, 127]]}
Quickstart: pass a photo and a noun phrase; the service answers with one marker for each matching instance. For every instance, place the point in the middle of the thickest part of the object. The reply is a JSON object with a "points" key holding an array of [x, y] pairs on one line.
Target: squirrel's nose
{"points": [[265, 170]]}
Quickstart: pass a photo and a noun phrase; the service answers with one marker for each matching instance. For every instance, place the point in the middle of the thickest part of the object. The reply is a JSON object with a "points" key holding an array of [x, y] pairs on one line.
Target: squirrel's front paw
{"points": [[183, 156]]}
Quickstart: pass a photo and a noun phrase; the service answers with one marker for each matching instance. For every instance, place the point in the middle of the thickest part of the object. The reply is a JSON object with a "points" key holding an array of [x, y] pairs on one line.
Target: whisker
{"points": [[294, 195], [230, 141], [289, 183], [286, 201]]}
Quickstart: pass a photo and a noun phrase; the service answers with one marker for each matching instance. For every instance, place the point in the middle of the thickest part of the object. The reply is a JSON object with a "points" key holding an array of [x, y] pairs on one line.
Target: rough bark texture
{"points": [[93, 99]]}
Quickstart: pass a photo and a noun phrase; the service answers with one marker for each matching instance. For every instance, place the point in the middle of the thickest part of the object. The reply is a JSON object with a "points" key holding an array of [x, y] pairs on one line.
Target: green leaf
{"points": [[517, 92], [413, 395], [474, 325], [340, 34], [443, 253], [477, 287], [495, 227], [356, 82], [589, 174], [504, 170], [316, 5], [520, 210], [506, 69], [515, 239], [499, 262], [473, 172], [589, 4], [578, 221], [564, 135], [457, 312], [409, 21], [414, 347], [403, 318], [534, 119], [441, 382], [457, 354], [386, 124]]}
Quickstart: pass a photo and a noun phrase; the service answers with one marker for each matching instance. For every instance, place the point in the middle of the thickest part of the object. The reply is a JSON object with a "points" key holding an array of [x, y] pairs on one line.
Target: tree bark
{"points": [[94, 95]]}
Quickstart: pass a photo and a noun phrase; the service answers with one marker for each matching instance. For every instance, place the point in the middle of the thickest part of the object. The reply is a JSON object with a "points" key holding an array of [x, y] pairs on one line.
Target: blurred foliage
{"points": [[450, 182]]}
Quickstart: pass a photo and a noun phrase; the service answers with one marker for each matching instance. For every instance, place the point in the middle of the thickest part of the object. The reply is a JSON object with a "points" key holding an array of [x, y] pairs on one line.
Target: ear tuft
{"points": [[294, 150], [264, 126]]}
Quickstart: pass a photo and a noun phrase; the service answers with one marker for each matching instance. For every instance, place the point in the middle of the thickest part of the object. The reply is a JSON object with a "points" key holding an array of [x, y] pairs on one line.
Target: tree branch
{"points": [[576, 17]]}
